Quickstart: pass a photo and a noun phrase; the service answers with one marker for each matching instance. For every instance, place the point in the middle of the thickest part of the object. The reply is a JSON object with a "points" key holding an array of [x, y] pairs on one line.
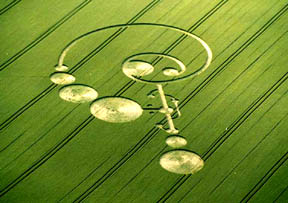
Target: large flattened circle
{"points": [[78, 93], [116, 109], [181, 162]]}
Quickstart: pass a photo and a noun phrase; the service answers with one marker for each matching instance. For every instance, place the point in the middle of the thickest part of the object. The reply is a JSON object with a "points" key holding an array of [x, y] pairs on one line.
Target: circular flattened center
{"points": [[181, 162], [176, 141], [116, 109], [78, 93], [62, 78], [137, 68]]}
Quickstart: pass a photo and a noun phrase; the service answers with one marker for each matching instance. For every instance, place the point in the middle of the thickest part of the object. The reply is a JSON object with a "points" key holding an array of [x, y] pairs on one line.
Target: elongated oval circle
{"points": [[61, 67], [176, 141], [78, 93], [115, 109], [170, 71], [181, 162], [61, 78]]}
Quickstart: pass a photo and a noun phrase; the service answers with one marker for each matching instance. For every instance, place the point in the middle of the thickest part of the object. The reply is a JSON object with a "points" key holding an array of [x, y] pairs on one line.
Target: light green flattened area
{"points": [[234, 115]]}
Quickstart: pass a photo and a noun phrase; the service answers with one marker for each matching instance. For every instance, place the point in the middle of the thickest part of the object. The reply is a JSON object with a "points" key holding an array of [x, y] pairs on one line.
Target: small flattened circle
{"points": [[176, 141], [61, 78], [137, 68], [181, 162], [78, 93], [61, 68], [169, 71], [116, 109]]}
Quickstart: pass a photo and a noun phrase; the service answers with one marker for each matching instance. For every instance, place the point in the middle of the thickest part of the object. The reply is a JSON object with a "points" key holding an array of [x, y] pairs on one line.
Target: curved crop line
{"points": [[182, 37], [51, 87], [130, 83], [9, 6], [105, 176], [123, 27], [191, 29], [51, 152]]}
